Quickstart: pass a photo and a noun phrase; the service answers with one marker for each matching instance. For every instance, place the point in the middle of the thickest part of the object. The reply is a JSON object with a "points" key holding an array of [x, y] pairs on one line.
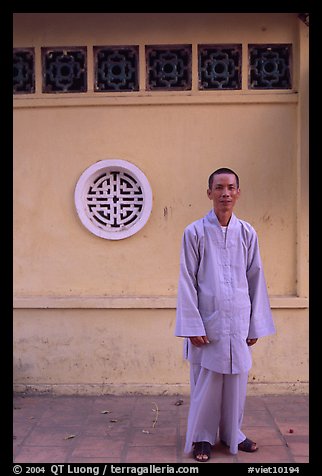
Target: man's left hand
{"points": [[251, 341]]}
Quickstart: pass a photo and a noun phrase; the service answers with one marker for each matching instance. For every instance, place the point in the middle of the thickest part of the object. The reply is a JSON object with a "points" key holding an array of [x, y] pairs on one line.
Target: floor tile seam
{"points": [[22, 443], [276, 426], [129, 434], [180, 437], [259, 451], [227, 455], [258, 428], [300, 455], [74, 443], [54, 411], [43, 446], [19, 412], [179, 446], [152, 445], [126, 445], [273, 462], [73, 428]]}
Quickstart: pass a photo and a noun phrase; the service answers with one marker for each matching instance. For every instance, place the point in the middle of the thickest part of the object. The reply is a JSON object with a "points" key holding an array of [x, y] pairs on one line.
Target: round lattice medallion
{"points": [[113, 199]]}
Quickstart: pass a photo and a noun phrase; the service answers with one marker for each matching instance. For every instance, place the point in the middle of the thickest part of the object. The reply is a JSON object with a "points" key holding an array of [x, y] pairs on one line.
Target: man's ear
{"points": [[209, 194]]}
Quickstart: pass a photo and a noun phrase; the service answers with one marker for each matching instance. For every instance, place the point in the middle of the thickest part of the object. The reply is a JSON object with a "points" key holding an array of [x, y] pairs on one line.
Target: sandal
{"points": [[248, 445], [201, 451]]}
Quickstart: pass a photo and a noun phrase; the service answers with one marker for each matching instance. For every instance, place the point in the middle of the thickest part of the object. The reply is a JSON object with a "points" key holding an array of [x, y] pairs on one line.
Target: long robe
{"points": [[216, 408], [222, 293]]}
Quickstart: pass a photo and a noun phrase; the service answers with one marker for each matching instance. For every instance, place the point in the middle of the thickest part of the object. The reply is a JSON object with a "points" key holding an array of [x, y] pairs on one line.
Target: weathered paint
{"points": [[93, 315]]}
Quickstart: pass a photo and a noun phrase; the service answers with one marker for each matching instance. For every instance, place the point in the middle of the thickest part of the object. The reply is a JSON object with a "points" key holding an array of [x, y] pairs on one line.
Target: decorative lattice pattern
{"points": [[23, 71], [219, 67], [116, 68], [113, 199], [64, 70], [168, 68], [270, 67]]}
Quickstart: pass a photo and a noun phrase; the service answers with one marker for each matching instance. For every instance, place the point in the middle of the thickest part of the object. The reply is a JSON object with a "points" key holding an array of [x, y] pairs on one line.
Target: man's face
{"points": [[224, 192]]}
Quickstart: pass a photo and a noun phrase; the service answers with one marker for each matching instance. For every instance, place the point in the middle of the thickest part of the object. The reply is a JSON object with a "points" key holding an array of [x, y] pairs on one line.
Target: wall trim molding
{"points": [[259, 388], [155, 99], [131, 302]]}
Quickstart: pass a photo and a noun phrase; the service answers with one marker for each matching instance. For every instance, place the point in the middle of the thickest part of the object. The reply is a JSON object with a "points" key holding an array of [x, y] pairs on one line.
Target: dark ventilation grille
{"points": [[64, 70], [116, 68], [270, 66], [219, 66], [168, 68], [23, 71]]}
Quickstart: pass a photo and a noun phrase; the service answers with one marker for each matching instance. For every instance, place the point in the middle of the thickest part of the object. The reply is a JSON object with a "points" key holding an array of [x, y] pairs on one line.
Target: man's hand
{"points": [[251, 341], [199, 340]]}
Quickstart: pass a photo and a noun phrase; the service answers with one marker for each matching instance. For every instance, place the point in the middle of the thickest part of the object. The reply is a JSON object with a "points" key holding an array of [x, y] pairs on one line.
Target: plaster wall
{"points": [[93, 315]]}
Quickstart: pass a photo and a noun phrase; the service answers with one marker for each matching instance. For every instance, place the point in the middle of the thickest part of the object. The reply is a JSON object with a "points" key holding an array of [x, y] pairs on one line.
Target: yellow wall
{"points": [[93, 315]]}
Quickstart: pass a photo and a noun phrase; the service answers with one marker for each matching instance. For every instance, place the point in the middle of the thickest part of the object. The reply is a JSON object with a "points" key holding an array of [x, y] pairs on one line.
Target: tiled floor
{"points": [[148, 429]]}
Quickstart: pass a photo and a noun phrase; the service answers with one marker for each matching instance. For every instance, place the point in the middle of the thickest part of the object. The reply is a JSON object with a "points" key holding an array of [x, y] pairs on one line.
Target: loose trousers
{"points": [[217, 404]]}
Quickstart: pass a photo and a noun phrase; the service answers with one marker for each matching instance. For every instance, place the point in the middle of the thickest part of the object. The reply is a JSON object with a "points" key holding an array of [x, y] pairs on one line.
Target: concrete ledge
{"points": [[173, 98], [258, 389], [130, 302]]}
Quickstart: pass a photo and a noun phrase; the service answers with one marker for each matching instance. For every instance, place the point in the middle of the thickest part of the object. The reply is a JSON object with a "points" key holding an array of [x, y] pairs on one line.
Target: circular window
{"points": [[113, 199]]}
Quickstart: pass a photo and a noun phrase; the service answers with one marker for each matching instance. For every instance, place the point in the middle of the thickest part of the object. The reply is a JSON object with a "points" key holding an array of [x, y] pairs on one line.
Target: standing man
{"points": [[222, 309]]}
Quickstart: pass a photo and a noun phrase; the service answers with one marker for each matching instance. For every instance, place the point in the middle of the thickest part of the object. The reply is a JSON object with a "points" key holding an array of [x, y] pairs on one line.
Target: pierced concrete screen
{"points": [[64, 70], [23, 70], [113, 199], [270, 66], [219, 66]]}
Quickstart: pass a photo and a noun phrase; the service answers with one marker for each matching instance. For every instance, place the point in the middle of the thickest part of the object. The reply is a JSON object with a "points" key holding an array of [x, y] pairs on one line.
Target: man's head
{"points": [[223, 190], [222, 170]]}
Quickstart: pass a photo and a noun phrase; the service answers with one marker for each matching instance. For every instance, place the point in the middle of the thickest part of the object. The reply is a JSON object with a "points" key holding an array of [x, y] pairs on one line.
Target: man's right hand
{"points": [[198, 341]]}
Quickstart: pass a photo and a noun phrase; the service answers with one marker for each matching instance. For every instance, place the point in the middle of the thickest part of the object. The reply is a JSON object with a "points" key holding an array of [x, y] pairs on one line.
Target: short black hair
{"points": [[222, 170]]}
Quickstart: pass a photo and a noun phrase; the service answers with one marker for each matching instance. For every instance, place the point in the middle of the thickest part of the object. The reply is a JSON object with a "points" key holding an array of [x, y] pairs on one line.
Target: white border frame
{"points": [[82, 186]]}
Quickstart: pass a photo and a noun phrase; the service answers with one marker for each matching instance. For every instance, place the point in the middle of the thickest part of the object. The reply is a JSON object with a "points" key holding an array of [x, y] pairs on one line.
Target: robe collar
{"points": [[212, 218]]}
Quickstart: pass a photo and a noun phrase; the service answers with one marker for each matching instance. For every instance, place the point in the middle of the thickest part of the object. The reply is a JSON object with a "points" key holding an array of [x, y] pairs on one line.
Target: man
{"points": [[222, 309]]}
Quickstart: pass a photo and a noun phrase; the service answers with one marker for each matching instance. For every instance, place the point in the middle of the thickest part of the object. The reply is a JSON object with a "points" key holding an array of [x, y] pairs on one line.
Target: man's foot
{"points": [[201, 451], [248, 445]]}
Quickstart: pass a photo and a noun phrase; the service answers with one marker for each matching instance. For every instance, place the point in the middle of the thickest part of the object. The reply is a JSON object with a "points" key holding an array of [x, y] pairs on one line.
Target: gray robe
{"points": [[222, 294]]}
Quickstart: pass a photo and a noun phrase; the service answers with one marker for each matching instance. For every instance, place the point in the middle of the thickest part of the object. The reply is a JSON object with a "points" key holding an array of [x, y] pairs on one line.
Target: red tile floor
{"points": [[148, 429]]}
